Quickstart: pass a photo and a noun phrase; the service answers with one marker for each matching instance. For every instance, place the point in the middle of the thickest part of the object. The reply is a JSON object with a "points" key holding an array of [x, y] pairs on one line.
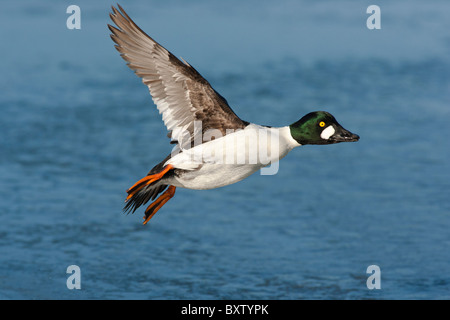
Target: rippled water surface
{"points": [[78, 128]]}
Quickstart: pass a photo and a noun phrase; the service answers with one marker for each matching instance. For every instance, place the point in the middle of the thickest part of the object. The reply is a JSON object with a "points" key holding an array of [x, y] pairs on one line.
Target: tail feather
{"points": [[143, 195], [148, 188]]}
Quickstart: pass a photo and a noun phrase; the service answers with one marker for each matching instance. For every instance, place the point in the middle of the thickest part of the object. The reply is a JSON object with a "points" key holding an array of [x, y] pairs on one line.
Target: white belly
{"points": [[211, 176]]}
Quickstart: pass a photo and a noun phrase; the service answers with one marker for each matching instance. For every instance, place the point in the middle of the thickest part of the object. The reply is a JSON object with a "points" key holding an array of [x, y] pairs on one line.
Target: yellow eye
{"points": [[322, 124]]}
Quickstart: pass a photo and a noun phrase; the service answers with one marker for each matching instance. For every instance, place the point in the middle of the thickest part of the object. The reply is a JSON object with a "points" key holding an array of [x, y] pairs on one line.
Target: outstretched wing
{"points": [[180, 93]]}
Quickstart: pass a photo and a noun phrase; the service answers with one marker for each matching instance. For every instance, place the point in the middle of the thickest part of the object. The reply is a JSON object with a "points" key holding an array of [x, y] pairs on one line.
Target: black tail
{"points": [[142, 193], [141, 197]]}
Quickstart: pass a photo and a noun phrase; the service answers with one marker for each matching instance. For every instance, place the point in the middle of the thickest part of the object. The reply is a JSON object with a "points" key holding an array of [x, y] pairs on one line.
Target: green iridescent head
{"points": [[320, 127]]}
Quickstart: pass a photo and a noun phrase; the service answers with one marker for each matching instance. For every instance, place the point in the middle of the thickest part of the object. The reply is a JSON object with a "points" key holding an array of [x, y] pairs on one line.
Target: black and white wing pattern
{"points": [[180, 93]]}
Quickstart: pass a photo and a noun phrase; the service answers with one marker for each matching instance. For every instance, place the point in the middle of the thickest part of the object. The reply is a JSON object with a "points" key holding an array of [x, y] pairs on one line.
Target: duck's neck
{"points": [[286, 135]]}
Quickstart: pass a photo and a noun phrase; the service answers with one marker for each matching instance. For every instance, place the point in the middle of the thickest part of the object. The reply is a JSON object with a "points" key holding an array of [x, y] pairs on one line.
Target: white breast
{"points": [[229, 159]]}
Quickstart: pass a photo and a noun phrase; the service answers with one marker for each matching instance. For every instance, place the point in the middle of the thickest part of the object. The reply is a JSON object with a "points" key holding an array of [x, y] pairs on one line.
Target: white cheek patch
{"points": [[327, 132]]}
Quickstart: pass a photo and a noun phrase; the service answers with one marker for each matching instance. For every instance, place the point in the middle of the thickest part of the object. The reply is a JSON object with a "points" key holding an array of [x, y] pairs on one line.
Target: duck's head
{"points": [[320, 127]]}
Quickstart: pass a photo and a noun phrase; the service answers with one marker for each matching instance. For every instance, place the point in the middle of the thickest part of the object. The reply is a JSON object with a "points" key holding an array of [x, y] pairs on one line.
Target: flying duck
{"points": [[213, 147]]}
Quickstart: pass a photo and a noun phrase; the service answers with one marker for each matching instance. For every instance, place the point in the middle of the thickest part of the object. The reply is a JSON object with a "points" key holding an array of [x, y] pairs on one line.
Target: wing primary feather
{"points": [[178, 90]]}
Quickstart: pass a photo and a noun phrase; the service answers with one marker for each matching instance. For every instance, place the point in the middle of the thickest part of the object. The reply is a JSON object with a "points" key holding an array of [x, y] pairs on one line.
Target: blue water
{"points": [[78, 128]]}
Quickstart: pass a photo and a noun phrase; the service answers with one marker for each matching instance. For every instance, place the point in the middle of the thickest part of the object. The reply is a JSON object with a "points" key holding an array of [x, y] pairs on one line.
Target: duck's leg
{"points": [[146, 181], [158, 203]]}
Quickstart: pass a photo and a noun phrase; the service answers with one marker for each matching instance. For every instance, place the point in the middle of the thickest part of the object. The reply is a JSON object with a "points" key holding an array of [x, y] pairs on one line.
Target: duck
{"points": [[212, 146]]}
